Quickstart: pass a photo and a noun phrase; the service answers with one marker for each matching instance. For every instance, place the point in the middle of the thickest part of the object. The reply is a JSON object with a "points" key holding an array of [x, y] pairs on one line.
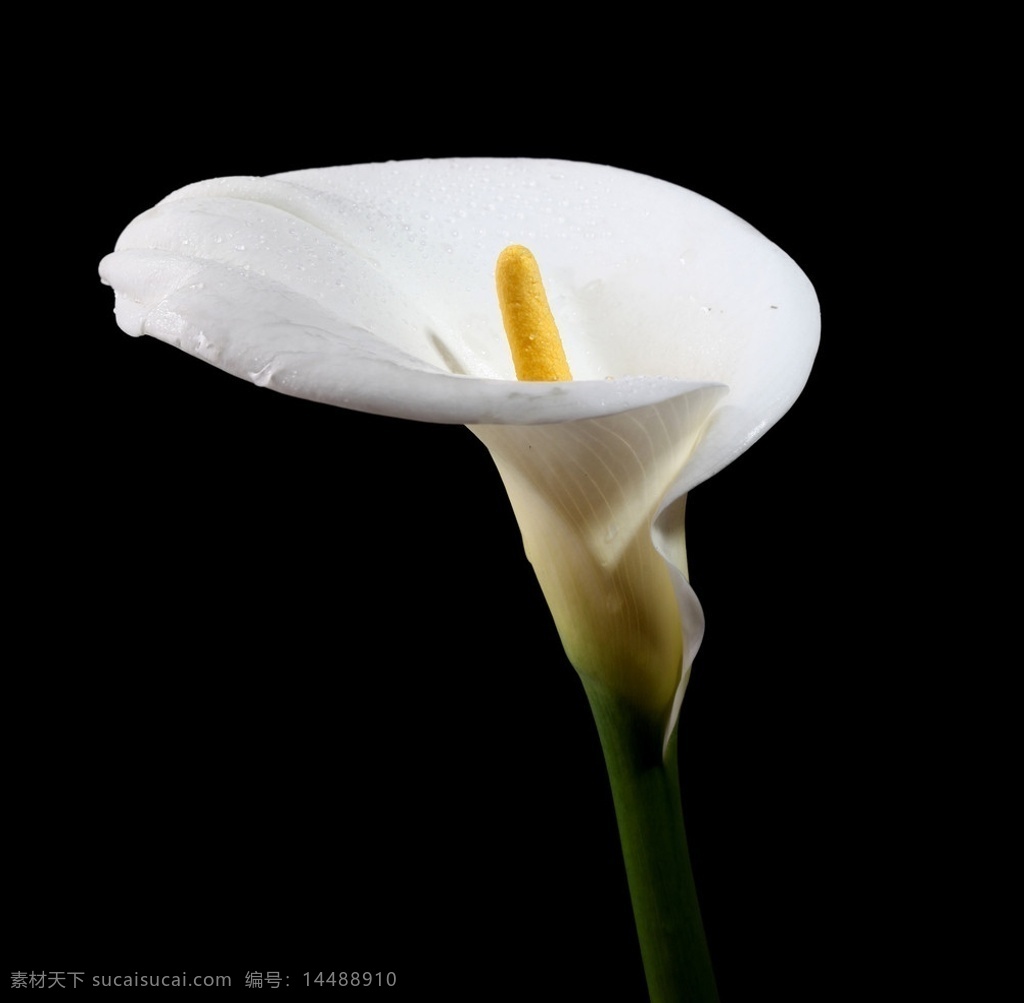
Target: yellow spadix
{"points": [[529, 326]]}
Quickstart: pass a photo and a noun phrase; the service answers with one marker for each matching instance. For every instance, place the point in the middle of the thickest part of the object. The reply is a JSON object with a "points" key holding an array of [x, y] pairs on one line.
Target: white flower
{"points": [[371, 287]]}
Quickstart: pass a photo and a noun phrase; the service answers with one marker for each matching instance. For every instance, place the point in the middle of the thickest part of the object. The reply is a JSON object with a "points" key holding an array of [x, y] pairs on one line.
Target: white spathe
{"points": [[371, 287]]}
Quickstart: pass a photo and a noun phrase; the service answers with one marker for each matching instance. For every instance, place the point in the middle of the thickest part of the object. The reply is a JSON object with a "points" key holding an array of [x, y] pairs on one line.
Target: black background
{"points": [[256, 726]]}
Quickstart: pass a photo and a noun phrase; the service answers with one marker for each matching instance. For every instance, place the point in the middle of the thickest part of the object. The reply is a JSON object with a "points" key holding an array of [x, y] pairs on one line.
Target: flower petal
{"points": [[369, 287]]}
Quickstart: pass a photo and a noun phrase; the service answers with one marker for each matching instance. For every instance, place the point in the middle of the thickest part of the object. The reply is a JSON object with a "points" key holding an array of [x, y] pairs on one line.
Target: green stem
{"points": [[645, 788]]}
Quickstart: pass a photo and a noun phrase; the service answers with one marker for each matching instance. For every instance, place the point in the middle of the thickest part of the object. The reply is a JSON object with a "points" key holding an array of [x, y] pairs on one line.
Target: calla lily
{"points": [[369, 287], [687, 335]]}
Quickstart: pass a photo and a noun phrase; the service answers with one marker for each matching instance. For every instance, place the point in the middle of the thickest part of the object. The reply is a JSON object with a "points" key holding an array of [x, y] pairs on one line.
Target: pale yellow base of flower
{"points": [[618, 621], [584, 495]]}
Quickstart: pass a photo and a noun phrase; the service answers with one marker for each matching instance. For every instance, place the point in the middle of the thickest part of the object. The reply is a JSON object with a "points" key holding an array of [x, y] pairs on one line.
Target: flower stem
{"points": [[645, 788]]}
